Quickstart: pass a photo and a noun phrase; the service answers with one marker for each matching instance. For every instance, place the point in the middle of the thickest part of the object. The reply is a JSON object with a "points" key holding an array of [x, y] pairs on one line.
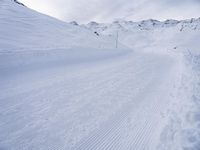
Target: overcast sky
{"points": [[84, 11]]}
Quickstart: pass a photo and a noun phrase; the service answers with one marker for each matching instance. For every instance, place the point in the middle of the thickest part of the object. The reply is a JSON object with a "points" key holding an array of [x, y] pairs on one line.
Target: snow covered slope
{"points": [[64, 87], [31, 40], [180, 40], [27, 28]]}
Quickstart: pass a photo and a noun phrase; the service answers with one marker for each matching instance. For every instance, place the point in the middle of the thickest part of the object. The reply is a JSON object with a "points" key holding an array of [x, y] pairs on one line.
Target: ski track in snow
{"points": [[136, 124], [111, 104]]}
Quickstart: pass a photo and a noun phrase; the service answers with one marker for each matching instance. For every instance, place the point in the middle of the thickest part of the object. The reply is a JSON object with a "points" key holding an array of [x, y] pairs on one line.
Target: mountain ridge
{"points": [[150, 24]]}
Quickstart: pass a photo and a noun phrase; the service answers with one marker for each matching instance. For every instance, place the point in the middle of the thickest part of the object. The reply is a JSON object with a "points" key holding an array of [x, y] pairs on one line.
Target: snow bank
{"points": [[182, 130]]}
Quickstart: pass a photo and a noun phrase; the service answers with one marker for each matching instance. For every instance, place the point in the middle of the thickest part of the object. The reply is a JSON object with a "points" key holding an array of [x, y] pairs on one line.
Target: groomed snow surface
{"points": [[62, 87]]}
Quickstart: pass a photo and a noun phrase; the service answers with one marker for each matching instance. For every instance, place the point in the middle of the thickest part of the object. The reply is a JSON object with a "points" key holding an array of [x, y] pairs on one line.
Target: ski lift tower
{"points": [[117, 39]]}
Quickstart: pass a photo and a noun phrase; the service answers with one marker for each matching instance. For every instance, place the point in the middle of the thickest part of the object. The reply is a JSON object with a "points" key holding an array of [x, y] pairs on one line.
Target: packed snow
{"points": [[65, 86]]}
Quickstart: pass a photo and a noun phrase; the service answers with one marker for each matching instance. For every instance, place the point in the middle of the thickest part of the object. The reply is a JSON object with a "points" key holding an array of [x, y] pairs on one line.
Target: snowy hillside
{"points": [[30, 38], [38, 27], [65, 86]]}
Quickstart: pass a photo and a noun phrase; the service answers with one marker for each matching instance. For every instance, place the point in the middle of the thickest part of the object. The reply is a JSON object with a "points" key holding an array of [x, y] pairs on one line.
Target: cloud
{"points": [[107, 10]]}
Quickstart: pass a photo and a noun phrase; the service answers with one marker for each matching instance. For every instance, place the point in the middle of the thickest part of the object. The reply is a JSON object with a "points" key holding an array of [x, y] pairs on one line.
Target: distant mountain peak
{"points": [[74, 23]]}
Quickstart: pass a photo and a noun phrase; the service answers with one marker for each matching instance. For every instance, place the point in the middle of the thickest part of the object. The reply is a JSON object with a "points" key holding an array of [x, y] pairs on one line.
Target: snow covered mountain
{"points": [[122, 25], [67, 86]]}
